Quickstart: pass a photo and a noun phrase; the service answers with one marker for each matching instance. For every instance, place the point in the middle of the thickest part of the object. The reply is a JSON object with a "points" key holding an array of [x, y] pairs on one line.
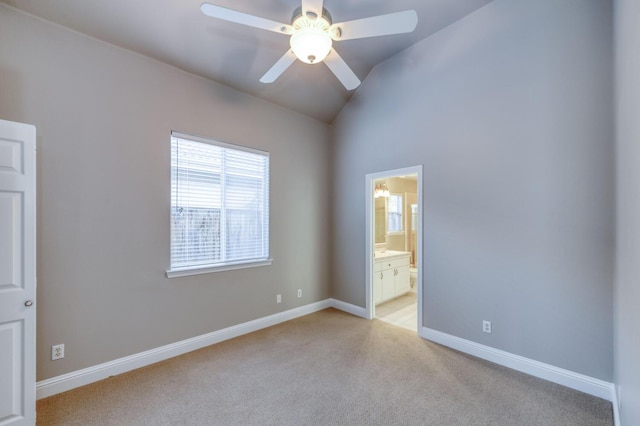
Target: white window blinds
{"points": [[219, 203]]}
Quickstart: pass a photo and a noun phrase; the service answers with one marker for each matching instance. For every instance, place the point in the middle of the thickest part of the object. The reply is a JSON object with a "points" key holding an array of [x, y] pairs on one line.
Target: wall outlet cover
{"points": [[57, 352]]}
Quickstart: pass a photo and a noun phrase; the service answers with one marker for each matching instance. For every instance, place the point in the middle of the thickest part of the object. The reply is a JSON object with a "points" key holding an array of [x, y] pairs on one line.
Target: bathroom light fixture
{"points": [[381, 190], [311, 41]]}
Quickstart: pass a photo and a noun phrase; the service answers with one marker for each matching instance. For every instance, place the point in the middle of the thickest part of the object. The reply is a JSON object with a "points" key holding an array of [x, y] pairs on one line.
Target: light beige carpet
{"points": [[328, 368]]}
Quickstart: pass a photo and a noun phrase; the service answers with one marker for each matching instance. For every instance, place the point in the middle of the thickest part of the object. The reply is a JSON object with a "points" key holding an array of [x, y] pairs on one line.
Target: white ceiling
{"points": [[176, 32]]}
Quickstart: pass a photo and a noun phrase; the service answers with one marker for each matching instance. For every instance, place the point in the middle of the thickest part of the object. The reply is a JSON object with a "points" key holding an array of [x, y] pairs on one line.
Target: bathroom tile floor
{"points": [[401, 311]]}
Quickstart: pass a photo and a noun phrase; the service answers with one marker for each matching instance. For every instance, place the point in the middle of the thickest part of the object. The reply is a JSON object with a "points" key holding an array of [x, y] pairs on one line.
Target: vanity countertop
{"points": [[388, 254]]}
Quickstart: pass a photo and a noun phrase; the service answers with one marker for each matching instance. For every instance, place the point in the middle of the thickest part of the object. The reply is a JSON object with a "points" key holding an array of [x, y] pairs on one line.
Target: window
{"points": [[394, 213], [219, 206]]}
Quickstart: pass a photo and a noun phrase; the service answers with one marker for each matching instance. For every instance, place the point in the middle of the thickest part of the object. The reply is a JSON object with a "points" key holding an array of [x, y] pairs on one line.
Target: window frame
{"points": [[401, 213], [181, 271]]}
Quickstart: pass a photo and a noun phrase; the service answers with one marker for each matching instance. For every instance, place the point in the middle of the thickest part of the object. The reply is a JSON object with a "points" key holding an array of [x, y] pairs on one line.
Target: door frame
{"points": [[370, 229]]}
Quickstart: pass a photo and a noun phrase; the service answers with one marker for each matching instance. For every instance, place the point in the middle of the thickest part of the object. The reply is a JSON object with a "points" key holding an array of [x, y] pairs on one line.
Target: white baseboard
{"points": [[89, 375], [349, 308], [93, 374], [570, 379], [615, 401]]}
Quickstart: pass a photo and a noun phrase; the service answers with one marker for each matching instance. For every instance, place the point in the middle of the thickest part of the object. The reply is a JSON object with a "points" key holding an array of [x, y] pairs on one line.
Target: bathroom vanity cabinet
{"points": [[391, 276]]}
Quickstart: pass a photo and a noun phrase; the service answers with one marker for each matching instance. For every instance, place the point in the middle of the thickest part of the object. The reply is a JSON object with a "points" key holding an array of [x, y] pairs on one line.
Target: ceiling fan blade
{"points": [[314, 6], [279, 67], [341, 70], [393, 23], [245, 19]]}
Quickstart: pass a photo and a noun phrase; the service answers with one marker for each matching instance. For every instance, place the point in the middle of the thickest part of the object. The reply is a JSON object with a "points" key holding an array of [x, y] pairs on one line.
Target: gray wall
{"points": [[627, 294], [103, 118], [510, 112]]}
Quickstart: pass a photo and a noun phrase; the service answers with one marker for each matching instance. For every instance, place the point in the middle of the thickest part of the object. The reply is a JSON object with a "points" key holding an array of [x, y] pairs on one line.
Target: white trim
{"points": [[216, 142], [349, 308], [89, 375], [395, 234], [570, 379], [93, 374], [615, 401], [197, 270]]}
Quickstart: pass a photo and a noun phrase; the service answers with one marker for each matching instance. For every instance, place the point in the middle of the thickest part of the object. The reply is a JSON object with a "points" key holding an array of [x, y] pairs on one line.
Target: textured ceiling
{"points": [[176, 32]]}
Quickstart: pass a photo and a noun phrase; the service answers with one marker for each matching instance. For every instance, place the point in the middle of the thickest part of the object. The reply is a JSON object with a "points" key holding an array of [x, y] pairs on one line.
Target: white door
{"points": [[17, 274]]}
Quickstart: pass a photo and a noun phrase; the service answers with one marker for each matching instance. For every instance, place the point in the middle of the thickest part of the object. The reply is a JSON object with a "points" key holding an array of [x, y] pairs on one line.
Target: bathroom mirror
{"points": [[381, 220]]}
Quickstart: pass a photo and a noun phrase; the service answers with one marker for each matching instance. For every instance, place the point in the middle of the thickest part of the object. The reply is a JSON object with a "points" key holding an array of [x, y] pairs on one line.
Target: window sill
{"points": [[184, 272]]}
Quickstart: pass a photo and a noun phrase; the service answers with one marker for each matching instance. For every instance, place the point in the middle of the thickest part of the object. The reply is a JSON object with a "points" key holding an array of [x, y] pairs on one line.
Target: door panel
{"points": [[403, 280], [388, 285], [10, 240], [11, 359], [17, 274]]}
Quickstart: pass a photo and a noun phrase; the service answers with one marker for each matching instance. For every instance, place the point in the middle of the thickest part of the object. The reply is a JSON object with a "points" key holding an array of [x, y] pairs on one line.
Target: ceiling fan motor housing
{"points": [[297, 13], [311, 40]]}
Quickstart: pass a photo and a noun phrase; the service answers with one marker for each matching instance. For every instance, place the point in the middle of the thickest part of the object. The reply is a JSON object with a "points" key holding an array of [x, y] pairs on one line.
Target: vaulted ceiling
{"points": [[177, 33]]}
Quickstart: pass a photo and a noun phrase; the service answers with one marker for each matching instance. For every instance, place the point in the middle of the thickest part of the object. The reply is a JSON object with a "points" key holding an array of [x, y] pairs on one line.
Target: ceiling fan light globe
{"points": [[311, 45]]}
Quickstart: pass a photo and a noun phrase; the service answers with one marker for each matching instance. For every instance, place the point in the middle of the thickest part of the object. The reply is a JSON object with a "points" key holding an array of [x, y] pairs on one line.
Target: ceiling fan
{"points": [[312, 33]]}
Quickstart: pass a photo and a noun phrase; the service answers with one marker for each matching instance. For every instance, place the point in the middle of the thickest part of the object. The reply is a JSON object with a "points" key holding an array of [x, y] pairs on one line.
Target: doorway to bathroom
{"points": [[394, 247]]}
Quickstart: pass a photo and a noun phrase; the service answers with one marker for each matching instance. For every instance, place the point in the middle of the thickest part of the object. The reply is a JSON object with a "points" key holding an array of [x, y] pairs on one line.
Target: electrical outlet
{"points": [[486, 326], [299, 292], [57, 352], [278, 298]]}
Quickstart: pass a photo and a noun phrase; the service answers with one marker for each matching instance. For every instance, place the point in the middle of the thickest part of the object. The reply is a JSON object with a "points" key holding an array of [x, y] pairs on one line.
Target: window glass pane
{"points": [[394, 213], [219, 204]]}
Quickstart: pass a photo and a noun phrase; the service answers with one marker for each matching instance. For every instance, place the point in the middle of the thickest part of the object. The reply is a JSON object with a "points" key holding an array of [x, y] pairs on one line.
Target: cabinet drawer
{"points": [[397, 262]]}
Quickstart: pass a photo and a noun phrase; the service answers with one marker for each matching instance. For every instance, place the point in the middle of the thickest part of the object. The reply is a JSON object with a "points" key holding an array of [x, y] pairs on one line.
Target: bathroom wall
{"points": [[401, 186]]}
